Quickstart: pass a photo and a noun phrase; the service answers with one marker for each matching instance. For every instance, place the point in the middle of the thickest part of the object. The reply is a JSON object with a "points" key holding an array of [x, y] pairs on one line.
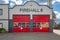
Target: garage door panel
{"points": [[25, 18], [45, 29], [41, 18], [21, 29], [16, 29], [26, 29], [38, 29]]}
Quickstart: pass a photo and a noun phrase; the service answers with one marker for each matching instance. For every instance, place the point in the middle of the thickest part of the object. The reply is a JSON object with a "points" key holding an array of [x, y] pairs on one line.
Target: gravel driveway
{"points": [[29, 36]]}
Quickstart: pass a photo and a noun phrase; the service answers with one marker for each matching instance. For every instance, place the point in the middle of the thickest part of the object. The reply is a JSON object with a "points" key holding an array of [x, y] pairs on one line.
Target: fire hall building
{"points": [[30, 17]]}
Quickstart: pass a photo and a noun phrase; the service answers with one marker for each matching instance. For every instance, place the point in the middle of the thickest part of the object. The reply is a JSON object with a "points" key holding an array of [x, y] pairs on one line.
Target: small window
{"points": [[1, 11], [1, 25], [41, 10]]}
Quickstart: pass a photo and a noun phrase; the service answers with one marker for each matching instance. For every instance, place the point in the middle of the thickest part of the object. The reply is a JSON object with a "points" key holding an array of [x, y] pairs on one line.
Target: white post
{"points": [[31, 16]]}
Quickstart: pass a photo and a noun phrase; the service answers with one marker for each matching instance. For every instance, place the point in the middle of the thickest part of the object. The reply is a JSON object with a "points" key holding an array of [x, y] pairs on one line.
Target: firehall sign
{"points": [[30, 10]]}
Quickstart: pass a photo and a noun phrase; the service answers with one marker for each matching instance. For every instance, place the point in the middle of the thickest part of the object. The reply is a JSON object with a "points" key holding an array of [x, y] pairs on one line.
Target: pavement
{"points": [[29, 36], [56, 31]]}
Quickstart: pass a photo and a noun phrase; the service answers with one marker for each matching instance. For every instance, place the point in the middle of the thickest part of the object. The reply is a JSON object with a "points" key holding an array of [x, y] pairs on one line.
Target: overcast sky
{"points": [[55, 5]]}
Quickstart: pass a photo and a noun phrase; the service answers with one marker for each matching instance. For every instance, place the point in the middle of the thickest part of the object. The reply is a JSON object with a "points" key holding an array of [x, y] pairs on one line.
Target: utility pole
{"points": [[50, 3], [30, 0]]}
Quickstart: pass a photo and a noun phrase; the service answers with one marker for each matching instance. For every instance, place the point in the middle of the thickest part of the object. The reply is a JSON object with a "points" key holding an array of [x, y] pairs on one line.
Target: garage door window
{"points": [[41, 24], [17, 24], [44, 24], [36, 25], [24, 24]]}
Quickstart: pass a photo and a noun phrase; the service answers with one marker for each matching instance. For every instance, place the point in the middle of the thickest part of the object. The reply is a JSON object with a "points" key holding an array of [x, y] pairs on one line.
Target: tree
{"points": [[58, 26]]}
